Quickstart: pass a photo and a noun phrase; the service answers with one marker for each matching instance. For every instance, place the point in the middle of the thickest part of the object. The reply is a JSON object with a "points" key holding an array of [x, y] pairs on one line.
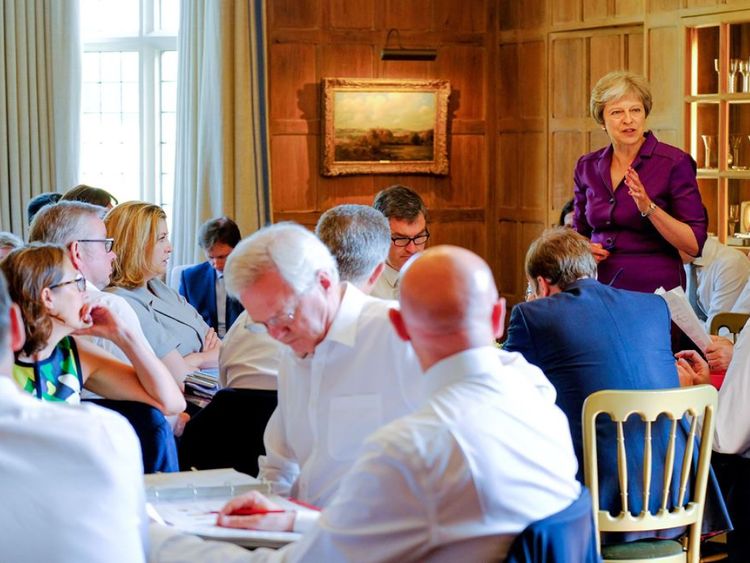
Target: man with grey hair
{"points": [[78, 226], [359, 238], [487, 453], [407, 218], [343, 372], [586, 336]]}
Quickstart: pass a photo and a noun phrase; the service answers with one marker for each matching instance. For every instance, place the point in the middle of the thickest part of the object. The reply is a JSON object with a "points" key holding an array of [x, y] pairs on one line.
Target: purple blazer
{"points": [[640, 258]]}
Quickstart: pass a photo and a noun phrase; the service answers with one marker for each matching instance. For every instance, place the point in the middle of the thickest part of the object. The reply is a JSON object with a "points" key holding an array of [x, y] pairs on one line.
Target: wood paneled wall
{"points": [[342, 38], [521, 73]]}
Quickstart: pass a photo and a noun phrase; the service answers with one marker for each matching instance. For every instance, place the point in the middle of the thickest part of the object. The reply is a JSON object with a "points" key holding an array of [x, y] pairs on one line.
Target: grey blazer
{"points": [[168, 321]]}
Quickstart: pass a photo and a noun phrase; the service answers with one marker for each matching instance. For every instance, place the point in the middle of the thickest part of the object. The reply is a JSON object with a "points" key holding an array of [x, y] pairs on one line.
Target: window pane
{"points": [[169, 66], [168, 16], [90, 67], [117, 85], [110, 132], [109, 18], [167, 124]]}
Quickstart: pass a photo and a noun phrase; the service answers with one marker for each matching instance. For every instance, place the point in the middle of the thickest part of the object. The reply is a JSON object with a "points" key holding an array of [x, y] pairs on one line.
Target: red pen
{"points": [[251, 512]]}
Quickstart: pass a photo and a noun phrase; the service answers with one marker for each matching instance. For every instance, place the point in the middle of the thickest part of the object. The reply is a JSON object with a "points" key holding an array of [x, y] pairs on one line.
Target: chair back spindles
{"points": [[665, 416], [647, 466], [622, 465]]}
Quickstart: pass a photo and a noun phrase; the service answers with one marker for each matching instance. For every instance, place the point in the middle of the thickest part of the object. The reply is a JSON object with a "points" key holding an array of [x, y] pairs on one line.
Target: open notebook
{"points": [[187, 500]]}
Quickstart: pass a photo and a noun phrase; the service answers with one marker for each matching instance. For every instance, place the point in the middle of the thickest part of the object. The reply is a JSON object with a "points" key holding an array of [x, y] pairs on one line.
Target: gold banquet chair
{"points": [[733, 322], [699, 402]]}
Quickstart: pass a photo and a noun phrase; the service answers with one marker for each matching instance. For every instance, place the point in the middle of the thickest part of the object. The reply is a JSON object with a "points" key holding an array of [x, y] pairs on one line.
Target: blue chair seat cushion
{"points": [[641, 549]]}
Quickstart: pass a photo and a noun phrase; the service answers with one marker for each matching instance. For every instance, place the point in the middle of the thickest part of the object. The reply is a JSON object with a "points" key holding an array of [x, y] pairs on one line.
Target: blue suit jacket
{"points": [[592, 337], [198, 287]]}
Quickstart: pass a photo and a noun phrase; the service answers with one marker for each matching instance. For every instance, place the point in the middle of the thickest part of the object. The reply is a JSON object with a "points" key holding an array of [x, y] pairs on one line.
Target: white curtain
{"points": [[40, 75], [221, 162]]}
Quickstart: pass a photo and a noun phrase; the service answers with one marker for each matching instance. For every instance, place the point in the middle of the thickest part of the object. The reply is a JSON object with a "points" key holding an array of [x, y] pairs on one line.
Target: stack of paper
{"points": [[189, 501], [201, 385]]}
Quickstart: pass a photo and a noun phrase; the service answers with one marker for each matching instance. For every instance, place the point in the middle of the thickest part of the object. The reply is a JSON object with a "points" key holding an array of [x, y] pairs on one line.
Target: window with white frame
{"points": [[128, 97]]}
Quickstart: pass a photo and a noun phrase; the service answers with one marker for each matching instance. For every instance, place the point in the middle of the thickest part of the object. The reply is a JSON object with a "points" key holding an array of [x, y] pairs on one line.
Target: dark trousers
{"points": [[228, 432], [158, 447], [733, 473]]}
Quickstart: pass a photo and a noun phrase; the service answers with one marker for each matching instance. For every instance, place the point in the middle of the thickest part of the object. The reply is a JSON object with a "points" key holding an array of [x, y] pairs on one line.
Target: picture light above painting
{"points": [[385, 126]]}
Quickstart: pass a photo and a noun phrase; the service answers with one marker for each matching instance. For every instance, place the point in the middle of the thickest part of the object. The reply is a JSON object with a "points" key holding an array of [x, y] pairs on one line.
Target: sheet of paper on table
{"points": [[684, 316], [187, 499]]}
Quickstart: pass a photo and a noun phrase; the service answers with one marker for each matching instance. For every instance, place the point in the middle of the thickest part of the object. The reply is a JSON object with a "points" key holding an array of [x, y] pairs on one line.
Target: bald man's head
{"points": [[449, 302]]}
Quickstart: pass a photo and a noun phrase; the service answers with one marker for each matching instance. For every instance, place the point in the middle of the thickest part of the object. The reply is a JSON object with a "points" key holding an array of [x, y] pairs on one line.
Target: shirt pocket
{"points": [[350, 420]]}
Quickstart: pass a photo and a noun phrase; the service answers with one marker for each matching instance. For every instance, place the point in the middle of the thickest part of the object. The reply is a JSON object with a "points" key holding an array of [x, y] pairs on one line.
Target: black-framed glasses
{"points": [[418, 240], [108, 242], [80, 282]]}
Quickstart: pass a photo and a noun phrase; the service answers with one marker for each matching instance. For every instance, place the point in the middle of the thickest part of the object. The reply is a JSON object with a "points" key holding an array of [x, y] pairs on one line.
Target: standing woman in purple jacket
{"points": [[637, 199]]}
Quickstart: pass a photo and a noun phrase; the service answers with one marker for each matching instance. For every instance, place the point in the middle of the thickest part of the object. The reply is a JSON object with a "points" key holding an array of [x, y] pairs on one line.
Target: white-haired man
{"points": [[343, 374], [457, 480]]}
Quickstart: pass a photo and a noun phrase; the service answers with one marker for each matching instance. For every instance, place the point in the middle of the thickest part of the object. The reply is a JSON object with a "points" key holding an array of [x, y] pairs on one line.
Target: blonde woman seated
{"points": [[177, 333], [54, 363]]}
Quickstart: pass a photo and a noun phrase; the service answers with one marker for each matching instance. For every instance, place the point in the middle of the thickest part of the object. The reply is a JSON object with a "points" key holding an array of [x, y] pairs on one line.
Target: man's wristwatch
{"points": [[651, 208]]}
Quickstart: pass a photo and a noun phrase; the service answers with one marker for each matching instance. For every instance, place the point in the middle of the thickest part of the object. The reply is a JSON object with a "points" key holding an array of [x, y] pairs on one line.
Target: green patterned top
{"points": [[58, 378]]}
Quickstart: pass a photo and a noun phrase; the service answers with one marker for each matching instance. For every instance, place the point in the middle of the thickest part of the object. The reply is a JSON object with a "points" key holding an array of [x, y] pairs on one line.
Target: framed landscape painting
{"points": [[384, 126]]}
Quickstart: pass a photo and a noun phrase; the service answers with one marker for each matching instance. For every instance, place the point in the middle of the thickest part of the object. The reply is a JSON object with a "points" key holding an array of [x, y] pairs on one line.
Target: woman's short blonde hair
{"points": [[615, 85], [135, 226]]}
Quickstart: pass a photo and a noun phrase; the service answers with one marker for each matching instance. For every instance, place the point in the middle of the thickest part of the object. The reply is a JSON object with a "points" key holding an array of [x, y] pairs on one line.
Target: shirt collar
{"points": [[390, 275], [344, 327], [92, 288], [708, 254], [459, 366]]}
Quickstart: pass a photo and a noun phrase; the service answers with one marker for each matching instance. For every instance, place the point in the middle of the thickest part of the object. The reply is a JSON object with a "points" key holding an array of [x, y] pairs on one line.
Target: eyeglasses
{"points": [[285, 318], [108, 242], [418, 240], [80, 282]]}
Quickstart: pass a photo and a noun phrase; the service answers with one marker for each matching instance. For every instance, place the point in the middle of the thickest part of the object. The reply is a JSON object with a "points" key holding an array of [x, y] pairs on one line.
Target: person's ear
{"points": [[74, 252], [17, 330], [324, 280], [47, 301], [544, 287], [397, 320], [498, 318]]}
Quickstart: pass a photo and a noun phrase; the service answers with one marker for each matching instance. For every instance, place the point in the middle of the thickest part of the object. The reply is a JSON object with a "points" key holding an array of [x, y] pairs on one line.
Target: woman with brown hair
{"points": [[54, 363], [177, 333]]}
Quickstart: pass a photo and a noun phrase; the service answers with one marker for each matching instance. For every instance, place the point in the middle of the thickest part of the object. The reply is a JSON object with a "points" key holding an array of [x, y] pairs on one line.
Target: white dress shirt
{"points": [[386, 287], [455, 481], [249, 360], [71, 483], [732, 435], [722, 274], [361, 376]]}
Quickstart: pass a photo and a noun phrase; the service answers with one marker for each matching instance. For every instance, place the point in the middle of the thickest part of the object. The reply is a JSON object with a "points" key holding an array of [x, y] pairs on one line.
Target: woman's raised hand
{"points": [[636, 190]]}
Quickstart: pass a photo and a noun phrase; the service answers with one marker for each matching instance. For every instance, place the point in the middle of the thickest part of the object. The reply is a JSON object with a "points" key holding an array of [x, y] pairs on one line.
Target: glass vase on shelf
{"points": [[733, 159], [709, 153], [734, 219], [744, 82], [734, 65]]}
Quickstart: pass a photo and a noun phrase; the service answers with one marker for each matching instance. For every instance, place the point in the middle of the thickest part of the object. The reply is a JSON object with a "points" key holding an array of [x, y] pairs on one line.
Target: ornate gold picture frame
{"points": [[385, 126]]}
